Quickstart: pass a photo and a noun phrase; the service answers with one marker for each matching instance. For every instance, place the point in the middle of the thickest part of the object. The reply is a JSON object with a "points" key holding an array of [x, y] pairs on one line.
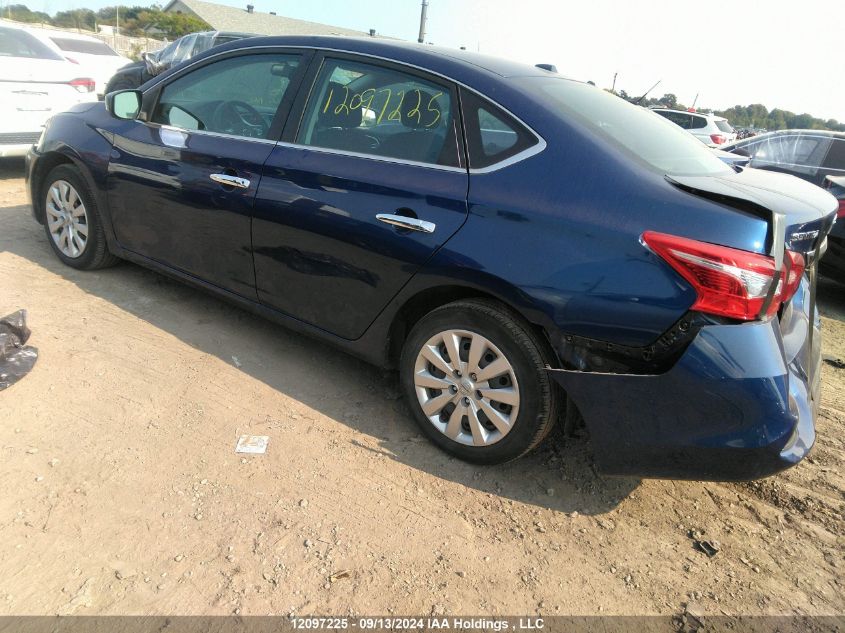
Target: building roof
{"points": [[225, 18]]}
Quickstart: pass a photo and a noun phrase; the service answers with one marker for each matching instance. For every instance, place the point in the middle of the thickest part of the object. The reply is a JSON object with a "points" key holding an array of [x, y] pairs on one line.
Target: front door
{"points": [[372, 182], [182, 185]]}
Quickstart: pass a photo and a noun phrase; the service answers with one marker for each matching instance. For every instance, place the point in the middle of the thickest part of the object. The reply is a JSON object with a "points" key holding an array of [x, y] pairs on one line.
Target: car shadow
{"points": [[560, 475]]}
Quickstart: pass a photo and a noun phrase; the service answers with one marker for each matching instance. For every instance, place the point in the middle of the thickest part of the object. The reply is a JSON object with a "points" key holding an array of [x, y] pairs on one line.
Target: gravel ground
{"points": [[123, 494]]}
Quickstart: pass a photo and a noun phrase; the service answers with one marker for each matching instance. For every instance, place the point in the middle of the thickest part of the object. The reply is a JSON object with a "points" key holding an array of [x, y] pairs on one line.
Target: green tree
{"points": [[21, 13], [77, 19]]}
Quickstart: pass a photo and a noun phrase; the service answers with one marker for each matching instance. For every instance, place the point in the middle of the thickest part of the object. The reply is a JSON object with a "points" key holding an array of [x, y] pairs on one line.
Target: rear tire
{"points": [[498, 401], [72, 220]]}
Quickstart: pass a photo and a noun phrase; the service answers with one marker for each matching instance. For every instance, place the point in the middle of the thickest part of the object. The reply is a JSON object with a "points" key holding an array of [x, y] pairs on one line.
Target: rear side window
{"points": [[836, 155], [678, 118], [697, 122], [724, 126], [377, 110], [89, 47], [492, 134], [16, 43]]}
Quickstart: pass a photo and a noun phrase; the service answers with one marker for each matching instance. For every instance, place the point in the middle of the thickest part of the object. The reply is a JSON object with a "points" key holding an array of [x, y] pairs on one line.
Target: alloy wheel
{"points": [[466, 387], [67, 219]]}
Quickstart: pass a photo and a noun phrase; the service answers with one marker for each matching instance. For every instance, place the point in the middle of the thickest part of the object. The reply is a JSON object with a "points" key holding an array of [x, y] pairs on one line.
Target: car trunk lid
{"points": [[800, 215]]}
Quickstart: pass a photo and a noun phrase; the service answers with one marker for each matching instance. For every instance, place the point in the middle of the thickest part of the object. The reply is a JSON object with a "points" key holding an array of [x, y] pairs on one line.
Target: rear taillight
{"points": [[718, 139], [841, 212], [794, 266], [83, 84], [729, 282]]}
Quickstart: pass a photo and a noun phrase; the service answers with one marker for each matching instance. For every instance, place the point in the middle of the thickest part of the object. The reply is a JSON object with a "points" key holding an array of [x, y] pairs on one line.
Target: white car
{"points": [[710, 129], [94, 57], [35, 83]]}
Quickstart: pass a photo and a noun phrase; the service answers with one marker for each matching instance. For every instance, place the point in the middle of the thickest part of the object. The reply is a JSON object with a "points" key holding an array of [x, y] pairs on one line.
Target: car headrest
{"points": [[338, 113], [413, 103]]}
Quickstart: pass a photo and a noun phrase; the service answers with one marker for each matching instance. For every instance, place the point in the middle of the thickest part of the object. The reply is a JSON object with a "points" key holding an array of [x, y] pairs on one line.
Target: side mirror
{"points": [[124, 104]]}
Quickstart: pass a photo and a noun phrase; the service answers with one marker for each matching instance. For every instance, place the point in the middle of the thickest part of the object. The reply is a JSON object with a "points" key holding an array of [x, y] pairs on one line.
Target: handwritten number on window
{"points": [[366, 99], [396, 115], [435, 109]]}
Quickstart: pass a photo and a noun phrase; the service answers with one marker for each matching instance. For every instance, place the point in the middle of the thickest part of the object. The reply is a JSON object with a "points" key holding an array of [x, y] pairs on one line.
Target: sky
{"points": [[781, 53]]}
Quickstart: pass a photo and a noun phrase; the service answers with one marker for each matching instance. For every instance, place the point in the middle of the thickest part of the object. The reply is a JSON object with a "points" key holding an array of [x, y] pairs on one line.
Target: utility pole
{"points": [[613, 88], [423, 12], [116, 23]]}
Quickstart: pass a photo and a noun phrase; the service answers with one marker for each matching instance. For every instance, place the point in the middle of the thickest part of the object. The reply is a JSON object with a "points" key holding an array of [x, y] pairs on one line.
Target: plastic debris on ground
{"points": [[256, 444], [16, 358]]}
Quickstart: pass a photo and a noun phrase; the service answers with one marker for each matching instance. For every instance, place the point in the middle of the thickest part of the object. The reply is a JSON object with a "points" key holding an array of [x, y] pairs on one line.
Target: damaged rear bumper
{"points": [[739, 404]]}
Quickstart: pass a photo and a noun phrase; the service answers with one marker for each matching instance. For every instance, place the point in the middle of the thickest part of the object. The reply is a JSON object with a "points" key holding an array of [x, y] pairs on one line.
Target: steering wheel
{"points": [[238, 117]]}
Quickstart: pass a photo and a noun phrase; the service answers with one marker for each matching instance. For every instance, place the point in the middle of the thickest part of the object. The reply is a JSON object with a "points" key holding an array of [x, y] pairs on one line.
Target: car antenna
{"points": [[637, 102]]}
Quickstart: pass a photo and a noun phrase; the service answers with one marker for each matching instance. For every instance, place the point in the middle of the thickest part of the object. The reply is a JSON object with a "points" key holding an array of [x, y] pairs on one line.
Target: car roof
{"points": [[792, 132], [407, 52]]}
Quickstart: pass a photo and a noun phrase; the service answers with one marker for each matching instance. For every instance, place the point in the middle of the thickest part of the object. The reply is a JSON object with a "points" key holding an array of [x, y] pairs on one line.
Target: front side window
{"points": [[237, 96], [371, 109]]}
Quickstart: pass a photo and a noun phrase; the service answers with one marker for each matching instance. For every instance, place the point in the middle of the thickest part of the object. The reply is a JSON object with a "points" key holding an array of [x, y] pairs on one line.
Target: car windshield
{"points": [[17, 43], [89, 47], [655, 141]]}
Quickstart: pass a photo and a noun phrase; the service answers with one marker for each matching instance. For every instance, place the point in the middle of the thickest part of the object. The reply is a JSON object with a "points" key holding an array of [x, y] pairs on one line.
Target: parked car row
{"points": [[47, 71], [37, 82], [361, 191]]}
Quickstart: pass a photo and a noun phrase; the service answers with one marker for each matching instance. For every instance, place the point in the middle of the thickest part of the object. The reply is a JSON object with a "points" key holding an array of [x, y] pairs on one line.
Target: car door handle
{"points": [[404, 222], [230, 181]]}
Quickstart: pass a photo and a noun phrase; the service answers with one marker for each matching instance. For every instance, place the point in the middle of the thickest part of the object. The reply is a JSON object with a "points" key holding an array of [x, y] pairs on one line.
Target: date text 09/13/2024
{"points": [[421, 623]]}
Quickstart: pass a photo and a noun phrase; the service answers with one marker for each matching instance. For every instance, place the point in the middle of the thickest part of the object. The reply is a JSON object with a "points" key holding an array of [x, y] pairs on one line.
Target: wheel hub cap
{"points": [[67, 219], [466, 387]]}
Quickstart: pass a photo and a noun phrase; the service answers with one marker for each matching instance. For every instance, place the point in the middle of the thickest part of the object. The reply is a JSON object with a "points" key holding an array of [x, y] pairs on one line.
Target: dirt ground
{"points": [[122, 493]]}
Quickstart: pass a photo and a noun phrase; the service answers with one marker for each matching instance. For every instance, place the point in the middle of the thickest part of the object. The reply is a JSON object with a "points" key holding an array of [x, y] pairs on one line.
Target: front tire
{"points": [[72, 220], [495, 402]]}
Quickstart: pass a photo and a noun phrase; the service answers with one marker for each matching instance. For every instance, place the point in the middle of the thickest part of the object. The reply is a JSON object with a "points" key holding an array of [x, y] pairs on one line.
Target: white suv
{"points": [[710, 129]]}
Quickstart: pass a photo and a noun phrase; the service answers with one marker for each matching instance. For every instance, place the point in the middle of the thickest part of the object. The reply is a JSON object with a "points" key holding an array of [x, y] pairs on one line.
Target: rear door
{"points": [[370, 182], [182, 184]]}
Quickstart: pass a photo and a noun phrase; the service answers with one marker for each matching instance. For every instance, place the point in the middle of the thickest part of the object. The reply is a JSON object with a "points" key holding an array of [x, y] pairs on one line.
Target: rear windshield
{"points": [[73, 45], [724, 126], [656, 142], [16, 43]]}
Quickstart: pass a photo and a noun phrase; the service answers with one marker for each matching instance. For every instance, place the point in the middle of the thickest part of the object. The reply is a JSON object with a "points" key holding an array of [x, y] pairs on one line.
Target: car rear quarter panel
{"points": [[562, 230]]}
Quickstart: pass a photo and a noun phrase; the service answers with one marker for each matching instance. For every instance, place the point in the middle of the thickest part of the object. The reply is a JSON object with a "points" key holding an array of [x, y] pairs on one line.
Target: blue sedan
{"points": [[523, 248]]}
